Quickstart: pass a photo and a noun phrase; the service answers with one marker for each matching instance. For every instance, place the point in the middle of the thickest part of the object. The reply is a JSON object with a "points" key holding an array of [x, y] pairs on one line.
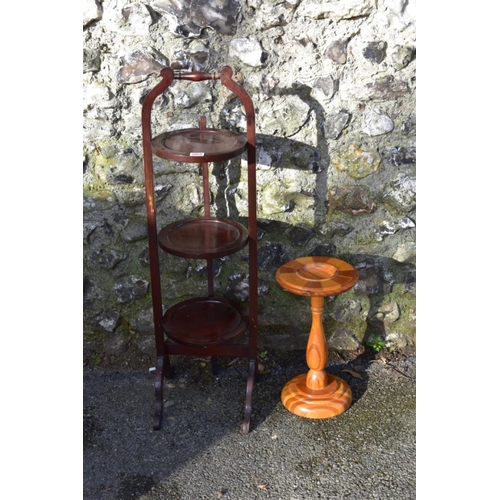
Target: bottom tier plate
{"points": [[205, 321]]}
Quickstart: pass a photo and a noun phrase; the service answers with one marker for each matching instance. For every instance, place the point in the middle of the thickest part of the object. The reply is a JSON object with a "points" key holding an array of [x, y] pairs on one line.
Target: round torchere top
{"points": [[317, 276]]}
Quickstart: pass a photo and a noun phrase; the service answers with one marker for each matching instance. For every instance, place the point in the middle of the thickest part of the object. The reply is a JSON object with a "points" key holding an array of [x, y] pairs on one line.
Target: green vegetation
{"points": [[375, 342]]}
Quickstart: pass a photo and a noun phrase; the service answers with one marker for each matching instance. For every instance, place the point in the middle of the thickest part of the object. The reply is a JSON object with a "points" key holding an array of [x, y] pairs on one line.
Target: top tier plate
{"points": [[196, 145]]}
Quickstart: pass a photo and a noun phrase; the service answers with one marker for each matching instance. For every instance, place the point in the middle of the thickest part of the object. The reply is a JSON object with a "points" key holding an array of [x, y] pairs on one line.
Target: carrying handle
{"points": [[196, 76]]}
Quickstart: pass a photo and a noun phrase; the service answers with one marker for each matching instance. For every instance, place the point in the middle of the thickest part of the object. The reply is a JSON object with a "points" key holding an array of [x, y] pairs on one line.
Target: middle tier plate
{"points": [[203, 237]]}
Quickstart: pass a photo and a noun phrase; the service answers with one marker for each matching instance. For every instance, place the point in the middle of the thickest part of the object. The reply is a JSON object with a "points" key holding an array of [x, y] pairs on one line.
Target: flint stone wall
{"points": [[333, 85]]}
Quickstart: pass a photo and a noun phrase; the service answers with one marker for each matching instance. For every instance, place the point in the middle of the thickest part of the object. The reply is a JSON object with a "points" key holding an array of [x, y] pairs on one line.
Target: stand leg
{"points": [[168, 371], [316, 394], [215, 365]]}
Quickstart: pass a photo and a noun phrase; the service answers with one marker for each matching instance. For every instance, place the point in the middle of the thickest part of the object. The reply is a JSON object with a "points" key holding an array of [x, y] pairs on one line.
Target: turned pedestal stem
{"points": [[317, 351]]}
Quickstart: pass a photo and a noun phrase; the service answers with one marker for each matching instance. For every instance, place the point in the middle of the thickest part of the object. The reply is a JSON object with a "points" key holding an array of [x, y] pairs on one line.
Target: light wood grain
{"points": [[332, 400], [317, 394], [317, 276]]}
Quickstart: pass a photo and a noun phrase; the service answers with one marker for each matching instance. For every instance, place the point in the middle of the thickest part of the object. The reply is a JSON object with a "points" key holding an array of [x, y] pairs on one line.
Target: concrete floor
{"points": [[201, 452]]}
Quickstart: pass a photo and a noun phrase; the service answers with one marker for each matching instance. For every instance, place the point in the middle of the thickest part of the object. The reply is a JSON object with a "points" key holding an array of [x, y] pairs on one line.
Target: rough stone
{"points": [[107, 259], [335, 123], [398, 15], [92, 11], [270, 14], [408, 125], [99, 234], [130, 288], [372, 279], [271, 256], [337, 51], [135, 230], [319, 164], [240, 291], [297, 155], [395, 340], [389, 227], [325, 250], [202, 270], [341, 229], [127, 161], [143, 258], [343, 340], [402, 55], [284, 116], [91, 60], [300, 235], [248, 50], [143, 322], [402, 156], [388, 313], [357, 163], [141, 63], [109, 151], [376, 123], [132, 196], [121, 179], [375, 51], [410, 282], [336, 10], [91, 292], [96, 127], [147, 344], [401, 192], [304, 40], [191, 95], [406, 252], [188, 17], [136, 19], [347, 311], [264, 159], [106, 321], [281, 194], [267, 85], [254, 4], [98, 96], [115, 345], [189, 60], [324, 87], [386, 87], [351, 199]]}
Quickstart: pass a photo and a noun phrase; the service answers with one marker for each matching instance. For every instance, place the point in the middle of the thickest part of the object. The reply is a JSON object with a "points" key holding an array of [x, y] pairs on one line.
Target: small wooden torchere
{"points": [[317, 394]]}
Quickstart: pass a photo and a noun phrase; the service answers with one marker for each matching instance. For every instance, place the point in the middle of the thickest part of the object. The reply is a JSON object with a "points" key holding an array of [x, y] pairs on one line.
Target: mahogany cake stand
{"points": [[317, 394], [203, 325]]}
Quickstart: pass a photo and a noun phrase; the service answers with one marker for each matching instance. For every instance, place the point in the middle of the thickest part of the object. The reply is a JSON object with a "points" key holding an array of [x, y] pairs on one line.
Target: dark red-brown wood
{"points": [[205, 322], [202, 325], [199, 145], [203, 238]]}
